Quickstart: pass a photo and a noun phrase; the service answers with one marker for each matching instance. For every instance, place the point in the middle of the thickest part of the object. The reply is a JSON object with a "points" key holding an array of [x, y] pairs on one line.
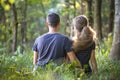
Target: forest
{"points": [[22, 21]]}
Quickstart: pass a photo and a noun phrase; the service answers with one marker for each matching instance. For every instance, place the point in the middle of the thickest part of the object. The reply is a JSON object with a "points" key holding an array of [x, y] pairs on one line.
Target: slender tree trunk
{"points": [[90, 15], [71, 26], [2, 22], [14, 47], [24, 25], [43, 8], [66, 17], [74, 8], [2, 16], [115, 49], [97, 18], [111, 16], [82, 7]]}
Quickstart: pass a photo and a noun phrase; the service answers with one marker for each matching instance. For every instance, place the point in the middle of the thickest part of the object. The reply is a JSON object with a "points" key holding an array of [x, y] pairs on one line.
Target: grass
{"points": [[19, 67]]}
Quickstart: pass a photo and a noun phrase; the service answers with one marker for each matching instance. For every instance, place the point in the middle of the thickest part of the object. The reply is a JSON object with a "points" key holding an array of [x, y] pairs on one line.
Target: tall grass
{"points": [[19, 67]]}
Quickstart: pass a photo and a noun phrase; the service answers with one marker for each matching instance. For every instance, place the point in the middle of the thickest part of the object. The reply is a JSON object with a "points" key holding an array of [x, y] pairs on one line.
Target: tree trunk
{"points": [[115, 49], [82, 7], [2, 23], [66, 17], [111, 16], [43, 8], [2, 16], [24, 25], [71, 26], [14, 47], [97, 19], [90, 15], [74, 4]]}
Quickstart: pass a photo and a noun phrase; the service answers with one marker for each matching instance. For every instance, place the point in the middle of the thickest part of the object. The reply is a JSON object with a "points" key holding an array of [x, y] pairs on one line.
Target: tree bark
{"points": [[43, 8], [97, 18], [115, 49], [74, 4], [82, 7], [71, 26], [111, 16], [24, 25], [2, 16], [14, 47], [90, 15], [2, 23], [66, 17]]}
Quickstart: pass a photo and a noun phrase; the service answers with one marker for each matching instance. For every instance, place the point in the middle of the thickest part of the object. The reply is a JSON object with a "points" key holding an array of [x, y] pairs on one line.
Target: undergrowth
{"points": [[20, 67]]}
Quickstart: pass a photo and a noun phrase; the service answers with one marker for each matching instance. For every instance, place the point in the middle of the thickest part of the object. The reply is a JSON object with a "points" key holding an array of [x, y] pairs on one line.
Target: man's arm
{"points": [[71, 55], [35, 57], [93, 61]]}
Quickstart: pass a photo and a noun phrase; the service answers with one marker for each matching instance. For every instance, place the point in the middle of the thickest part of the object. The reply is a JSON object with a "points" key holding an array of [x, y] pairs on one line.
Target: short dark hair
{"points": [[53, 19]]}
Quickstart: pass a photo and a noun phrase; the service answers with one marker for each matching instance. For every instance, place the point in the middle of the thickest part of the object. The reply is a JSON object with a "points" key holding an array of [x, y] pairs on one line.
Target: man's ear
{"points": [[58, 25], [46, 24]]}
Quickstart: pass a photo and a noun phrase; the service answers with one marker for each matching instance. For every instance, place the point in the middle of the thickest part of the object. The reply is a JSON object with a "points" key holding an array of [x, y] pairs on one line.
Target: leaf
{"points": [[7, 7], [2, 49], [11, 1]]}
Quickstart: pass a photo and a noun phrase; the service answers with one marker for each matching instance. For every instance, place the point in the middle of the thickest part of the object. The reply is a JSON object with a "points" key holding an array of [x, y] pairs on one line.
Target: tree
{"points": [[2, 15], [82, 7], [74, 4], [66, 17], [97, 18], [23, 24], [71, 27], [14, 46], [115, 49], [111, 16], [90, 16]]}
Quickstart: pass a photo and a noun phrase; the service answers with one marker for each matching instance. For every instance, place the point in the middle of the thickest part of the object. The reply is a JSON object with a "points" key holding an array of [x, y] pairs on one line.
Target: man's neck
{"points": [[53, 30]]}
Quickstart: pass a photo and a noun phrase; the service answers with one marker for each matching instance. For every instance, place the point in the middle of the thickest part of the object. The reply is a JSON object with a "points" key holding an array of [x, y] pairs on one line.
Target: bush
{"points": [[19, 67]]}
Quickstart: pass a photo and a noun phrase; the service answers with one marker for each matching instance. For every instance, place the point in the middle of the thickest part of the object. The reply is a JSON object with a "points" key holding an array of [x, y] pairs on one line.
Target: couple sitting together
{"points": [[56, 46]]}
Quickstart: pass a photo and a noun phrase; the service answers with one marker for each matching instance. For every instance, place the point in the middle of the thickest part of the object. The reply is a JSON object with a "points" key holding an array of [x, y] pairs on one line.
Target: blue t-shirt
{"points": [[84, 57], [51, 47]]}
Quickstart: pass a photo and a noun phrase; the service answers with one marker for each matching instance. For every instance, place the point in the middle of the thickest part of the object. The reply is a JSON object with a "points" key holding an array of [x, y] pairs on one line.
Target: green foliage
{"points": [[6, 4], [36, 12], [19, 67], [14, 67]]}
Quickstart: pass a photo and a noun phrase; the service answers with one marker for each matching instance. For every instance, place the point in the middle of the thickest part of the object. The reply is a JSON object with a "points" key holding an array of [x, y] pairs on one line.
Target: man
{"points": [[52, 46]]}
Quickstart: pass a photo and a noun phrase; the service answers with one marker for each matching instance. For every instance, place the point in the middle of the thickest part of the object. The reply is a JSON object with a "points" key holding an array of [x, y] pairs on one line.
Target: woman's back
{"points": [[84, 43], [84, 57]]}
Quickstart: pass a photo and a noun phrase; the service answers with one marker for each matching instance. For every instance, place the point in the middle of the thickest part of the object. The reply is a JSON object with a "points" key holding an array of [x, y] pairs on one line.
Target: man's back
{"points": [[51, 47]]}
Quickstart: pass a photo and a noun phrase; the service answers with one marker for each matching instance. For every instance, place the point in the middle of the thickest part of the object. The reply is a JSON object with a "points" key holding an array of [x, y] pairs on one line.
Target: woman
{"points": [[84, 43]]}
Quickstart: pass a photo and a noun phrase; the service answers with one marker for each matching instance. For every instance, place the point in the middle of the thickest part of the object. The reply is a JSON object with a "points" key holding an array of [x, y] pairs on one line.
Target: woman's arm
{"points": [[93, 62]]}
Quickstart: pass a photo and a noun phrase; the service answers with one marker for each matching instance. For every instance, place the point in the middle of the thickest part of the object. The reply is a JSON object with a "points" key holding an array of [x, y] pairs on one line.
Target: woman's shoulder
{"points": [[92, 45]]}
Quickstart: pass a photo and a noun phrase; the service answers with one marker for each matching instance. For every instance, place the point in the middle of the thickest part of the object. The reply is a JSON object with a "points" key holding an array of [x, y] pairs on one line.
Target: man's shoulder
{"points": [[41, 36], [57, 35], [62, 35]]}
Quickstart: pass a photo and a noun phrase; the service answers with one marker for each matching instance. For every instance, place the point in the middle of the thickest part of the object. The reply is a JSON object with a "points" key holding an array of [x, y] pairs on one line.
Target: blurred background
{"points": [[21, 21]]}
